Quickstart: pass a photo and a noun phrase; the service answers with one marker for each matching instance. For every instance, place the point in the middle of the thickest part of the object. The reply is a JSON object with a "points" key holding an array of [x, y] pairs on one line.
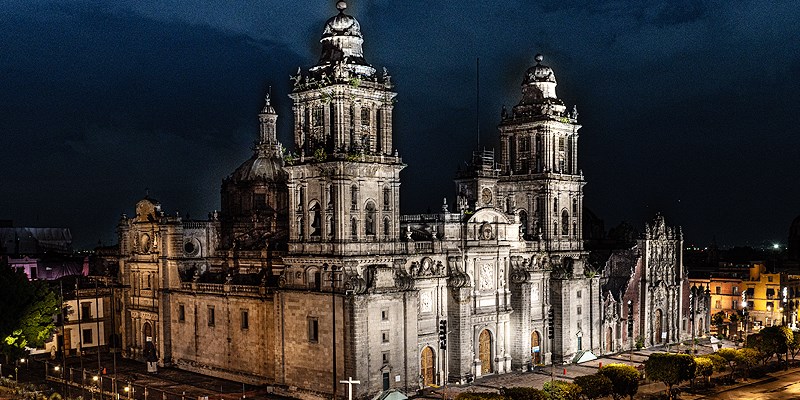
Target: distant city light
{"points": [[776, 246]]}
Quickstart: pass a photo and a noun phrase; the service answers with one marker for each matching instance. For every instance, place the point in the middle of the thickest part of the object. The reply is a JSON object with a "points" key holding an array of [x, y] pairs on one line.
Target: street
{"points": [[784, 385]]}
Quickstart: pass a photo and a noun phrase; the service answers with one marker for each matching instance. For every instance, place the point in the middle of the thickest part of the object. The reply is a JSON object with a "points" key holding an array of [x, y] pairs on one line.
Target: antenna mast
{"points": [[478, 102]]}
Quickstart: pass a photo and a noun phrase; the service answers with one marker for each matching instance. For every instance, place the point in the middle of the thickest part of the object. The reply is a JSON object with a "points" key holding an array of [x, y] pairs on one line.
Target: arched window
{"points": [[300, 228], [354, 227], [387, 200], [331, 196], [354, 197], [555, 205], [314, 217], [301, 198], [386, 226], [369, 219], [575, 229], [331, 227], [523, 222], [565, 223], [575, 206], [365, 116]]}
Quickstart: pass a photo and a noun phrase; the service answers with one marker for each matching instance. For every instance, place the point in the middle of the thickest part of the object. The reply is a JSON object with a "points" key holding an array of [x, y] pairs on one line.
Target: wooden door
{"points": [[485, 352], [657, 329], [427, 367], [536, 350]]}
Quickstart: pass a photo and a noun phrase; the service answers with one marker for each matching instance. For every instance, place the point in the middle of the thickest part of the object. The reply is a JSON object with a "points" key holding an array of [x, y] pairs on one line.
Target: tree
{"points": [[27, 309], [480, 396], [624, 379], [703, 367], [748, 358], [594, 386], [670, 368], [734, 323], [732, 357], [524, 393], [774, 340], [717, 361], [562, 390], [718, 320], [794, 345]]}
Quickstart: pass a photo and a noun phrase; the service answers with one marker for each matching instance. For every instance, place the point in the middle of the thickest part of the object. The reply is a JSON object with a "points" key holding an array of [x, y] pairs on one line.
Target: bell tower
{"points": [[344, 176], [539, 154]]}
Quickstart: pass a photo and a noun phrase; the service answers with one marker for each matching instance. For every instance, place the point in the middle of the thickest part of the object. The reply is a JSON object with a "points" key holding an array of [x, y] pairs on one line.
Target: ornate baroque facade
{"points": [[310, 274]]}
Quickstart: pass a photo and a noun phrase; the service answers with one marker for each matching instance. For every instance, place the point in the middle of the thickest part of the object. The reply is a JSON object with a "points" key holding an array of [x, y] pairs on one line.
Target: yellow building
{"points": [[763, 295]]}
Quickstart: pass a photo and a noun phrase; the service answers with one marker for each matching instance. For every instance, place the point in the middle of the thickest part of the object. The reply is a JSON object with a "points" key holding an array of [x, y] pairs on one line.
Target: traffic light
{"points": [[443, 334], [551, 320]]}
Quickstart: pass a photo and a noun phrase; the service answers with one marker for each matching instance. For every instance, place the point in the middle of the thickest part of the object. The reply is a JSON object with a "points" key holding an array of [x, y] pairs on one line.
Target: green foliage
{"points": [[748, 358], [703, 367], [355, 82], [562, 390], [479, 396], [718, 319], [670, 368], [732, 357], [773, 340], [320, 155], [27, 310], [717, 361], [594, 386], [624, 379], [639, 342], [524, 393]]}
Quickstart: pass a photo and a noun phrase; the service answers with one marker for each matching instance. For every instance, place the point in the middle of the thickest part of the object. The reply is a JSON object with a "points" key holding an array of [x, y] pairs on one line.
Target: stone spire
{"points": [[267, 144]]}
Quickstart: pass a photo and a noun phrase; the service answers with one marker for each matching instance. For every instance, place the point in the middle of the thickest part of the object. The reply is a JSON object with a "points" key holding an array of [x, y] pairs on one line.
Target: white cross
{"points": [[350, 383]]}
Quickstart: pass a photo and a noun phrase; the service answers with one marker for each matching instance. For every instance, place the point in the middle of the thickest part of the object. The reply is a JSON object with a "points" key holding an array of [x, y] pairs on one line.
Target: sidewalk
{"points": [[168, 384], [493, 383]]}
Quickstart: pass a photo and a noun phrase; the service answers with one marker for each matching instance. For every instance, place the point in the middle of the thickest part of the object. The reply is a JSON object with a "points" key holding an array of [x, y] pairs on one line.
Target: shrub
{"points": [[524, 393], [594, 386], [624, 379], [562, 390]]}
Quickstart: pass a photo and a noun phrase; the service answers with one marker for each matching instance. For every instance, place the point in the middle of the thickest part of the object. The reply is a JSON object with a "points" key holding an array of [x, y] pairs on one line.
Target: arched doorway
{"points": [[610, 340], [657, 328], [427, 368], [536, 350], [485, 352], [147, 331]]}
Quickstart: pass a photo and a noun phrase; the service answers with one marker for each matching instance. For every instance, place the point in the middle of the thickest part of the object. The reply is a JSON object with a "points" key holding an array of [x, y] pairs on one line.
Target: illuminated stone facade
{"points": [[310, 250]]}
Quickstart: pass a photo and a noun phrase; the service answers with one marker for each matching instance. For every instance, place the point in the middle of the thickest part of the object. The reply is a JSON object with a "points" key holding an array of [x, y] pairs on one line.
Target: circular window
{"points": [[191, 248]]}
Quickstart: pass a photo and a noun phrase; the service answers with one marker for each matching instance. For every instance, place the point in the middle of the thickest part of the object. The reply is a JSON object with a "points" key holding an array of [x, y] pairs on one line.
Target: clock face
{"points": [[145, 242], [486, 195]]}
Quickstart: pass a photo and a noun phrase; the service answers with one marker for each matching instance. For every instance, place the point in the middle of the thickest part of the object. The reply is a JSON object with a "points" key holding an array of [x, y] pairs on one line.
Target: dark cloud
{"points": [[688, 108]]}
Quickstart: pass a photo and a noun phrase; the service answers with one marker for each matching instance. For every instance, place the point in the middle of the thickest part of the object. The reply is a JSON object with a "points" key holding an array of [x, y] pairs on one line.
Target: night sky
{"points": [[689, 108]]}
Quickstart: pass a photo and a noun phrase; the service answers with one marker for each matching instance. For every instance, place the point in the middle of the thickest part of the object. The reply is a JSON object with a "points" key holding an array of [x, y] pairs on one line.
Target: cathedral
{"points": [[309, 274]]}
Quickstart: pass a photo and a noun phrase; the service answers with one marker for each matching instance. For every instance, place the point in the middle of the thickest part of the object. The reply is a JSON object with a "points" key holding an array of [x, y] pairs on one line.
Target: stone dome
{"points": [[260, 168], [342, 25], [539, 72]]}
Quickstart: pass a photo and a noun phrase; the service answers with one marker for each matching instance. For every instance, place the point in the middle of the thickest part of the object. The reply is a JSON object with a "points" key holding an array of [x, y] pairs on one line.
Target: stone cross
{"points": [[350, 383]]}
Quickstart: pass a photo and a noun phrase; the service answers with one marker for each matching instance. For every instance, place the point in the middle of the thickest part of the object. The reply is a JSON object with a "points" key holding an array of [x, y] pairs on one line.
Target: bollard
{"points": [[601, 364], [565, 371]]}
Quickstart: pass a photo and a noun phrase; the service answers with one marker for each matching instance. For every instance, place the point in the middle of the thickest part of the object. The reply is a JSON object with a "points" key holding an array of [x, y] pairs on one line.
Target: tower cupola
{"points": [[342, 45]]}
